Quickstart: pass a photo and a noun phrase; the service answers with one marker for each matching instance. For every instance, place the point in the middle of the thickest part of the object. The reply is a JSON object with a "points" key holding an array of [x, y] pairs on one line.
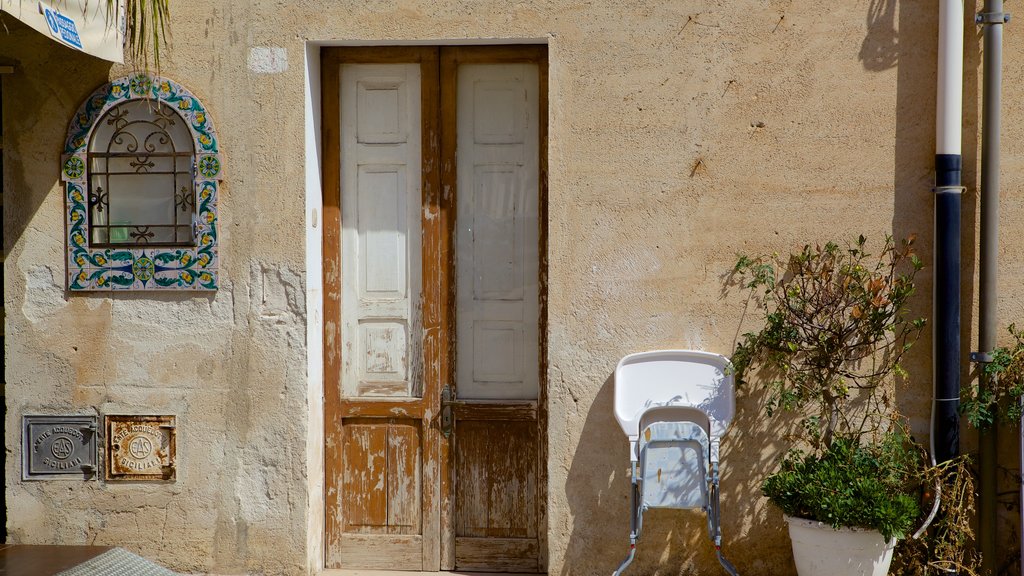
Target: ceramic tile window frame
{"points": [[139, 267]]}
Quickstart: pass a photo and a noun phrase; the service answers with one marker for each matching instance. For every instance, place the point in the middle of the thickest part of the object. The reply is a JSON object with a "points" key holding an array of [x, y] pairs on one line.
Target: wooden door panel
{"points": [[405, 502], [496, 479], [497, 444], [380, 552], [496, 495], [498, 554], [512, 471], [382, 496], [381, 448], [364, 458], [471, 490], [381, 476]]}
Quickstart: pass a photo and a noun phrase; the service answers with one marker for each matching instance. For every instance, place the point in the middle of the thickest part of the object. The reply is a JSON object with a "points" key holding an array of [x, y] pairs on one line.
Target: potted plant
{"points": [[837, 325]]}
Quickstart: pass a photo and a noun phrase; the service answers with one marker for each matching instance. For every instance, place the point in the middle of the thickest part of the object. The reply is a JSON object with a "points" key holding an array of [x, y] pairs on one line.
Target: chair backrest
{"points": [[674, 465], [685, 378]]}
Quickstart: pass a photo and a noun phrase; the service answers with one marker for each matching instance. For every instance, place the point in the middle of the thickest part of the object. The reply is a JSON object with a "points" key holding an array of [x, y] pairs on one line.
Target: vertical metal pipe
{"points": [[948, 192], [946, 332], [992, 19], [945, 435], [949, 94]]}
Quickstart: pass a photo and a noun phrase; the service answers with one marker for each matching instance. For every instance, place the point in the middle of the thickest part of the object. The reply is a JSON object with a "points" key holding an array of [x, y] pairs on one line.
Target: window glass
{"points": [[140, 177]]}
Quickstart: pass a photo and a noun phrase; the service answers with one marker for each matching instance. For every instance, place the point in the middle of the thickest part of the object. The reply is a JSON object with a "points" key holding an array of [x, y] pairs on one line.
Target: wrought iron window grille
{"points": [[141, 178]]}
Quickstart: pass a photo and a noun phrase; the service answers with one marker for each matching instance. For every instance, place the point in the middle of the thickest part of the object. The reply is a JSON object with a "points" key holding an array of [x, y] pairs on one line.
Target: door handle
{"points": [[446, 421], [448, 410]]}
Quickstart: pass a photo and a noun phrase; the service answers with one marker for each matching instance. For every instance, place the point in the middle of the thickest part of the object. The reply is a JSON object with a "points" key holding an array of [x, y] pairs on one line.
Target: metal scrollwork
{"points": [[185, 199], [141, 234], [144, 139], [98, 199]]}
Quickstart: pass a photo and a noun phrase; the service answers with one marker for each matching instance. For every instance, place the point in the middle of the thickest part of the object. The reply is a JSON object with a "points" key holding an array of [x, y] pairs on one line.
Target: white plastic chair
{"points": [[674, 406]]}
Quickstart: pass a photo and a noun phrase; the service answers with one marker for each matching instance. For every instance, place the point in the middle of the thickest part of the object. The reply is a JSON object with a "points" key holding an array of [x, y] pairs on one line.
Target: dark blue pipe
{"points": [[946, 329], [947, 173]]}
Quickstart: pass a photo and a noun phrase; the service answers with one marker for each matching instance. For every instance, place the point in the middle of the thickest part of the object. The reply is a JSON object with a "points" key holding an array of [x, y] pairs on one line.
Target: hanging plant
{"points": [[145, 28]]}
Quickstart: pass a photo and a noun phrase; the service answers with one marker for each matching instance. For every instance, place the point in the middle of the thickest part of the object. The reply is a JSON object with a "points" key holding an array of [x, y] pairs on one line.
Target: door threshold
{"points": [[353, 572]]}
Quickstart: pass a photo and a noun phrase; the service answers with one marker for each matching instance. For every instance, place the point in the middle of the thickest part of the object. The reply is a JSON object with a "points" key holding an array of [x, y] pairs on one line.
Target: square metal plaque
{"points": [[58, 447], [140, 447]]}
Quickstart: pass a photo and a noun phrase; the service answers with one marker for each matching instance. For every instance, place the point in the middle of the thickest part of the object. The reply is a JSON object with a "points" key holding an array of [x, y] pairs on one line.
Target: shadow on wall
{"points": [[597, 491], [31, 99], [880, 48], [32, 143], [674, 541], [912, 49]]}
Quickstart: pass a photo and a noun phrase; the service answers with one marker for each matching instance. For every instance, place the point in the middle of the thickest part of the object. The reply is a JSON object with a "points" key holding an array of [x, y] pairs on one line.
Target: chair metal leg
{"points": [[634, 524], [711, 509], [714, 522], [627, 561], [725, 563]]}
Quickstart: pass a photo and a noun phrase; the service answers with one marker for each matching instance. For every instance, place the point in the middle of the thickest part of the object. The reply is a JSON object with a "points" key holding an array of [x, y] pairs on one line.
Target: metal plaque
{"points": [[58, 447], [140, 447]]}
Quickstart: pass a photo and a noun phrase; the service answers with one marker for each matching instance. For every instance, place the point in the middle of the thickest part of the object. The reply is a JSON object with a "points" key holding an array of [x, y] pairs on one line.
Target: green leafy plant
{"points": [[852, 484], [1001, 400], [836, 328], [837, 325]]}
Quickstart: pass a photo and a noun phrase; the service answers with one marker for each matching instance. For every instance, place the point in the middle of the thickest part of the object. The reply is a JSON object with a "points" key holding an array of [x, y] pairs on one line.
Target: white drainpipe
{"points": [[951, 74]]}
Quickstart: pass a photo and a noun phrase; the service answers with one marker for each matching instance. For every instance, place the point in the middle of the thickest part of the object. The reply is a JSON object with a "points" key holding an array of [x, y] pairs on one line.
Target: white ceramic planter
{"points": [[820, 550]]}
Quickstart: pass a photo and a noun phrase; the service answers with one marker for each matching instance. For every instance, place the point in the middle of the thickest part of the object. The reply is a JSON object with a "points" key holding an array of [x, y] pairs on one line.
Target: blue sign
{"points": [[62, 27]]}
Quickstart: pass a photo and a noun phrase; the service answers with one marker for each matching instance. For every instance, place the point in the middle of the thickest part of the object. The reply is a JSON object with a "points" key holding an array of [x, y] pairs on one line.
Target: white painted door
{"points": [[381, 258], [497, 270], [380, 488]]}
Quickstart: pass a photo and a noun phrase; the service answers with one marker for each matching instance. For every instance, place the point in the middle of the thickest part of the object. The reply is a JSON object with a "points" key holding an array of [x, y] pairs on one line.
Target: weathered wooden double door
{"points": [[433, 275]]}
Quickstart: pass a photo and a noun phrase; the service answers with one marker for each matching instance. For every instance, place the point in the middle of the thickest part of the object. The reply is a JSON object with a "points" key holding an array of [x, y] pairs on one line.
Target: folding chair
{"points": [[674, 405]]}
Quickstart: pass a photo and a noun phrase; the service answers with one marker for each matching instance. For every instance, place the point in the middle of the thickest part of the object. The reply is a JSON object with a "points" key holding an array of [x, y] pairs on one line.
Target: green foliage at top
{"points": [[145, 28], [1000, 400], [851, 484], [836, 327]]}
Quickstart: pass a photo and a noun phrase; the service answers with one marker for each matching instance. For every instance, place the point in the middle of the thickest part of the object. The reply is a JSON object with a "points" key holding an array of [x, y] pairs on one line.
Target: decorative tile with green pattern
{"points": [[139, 267]]}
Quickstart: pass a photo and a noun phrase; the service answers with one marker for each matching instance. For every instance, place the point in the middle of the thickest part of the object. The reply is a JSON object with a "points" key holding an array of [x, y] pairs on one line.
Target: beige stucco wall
{"points": [[681, 133]]}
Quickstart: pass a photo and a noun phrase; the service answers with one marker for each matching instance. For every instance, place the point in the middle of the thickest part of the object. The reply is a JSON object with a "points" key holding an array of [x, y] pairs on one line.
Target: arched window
{"points": [[141, 169], [140, 177]]}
